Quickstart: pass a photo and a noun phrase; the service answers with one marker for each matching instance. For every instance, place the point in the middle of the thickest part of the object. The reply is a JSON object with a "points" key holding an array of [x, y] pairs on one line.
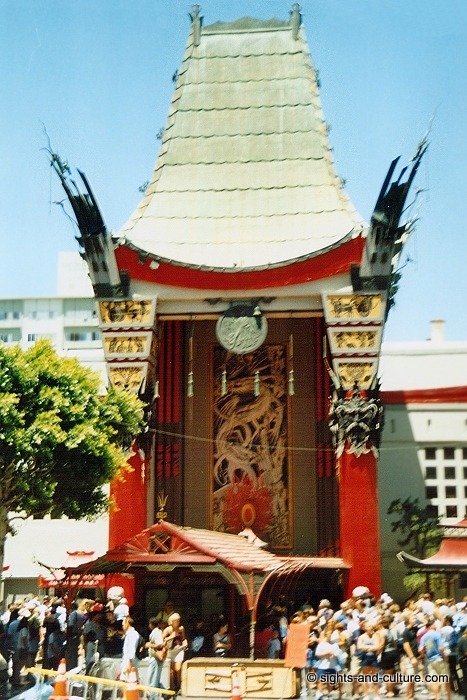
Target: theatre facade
{"points": [[244, 301]]}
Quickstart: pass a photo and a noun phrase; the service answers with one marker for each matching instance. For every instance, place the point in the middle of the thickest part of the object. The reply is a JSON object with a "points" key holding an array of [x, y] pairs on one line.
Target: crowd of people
{"points": [[367, 647], [363, 647], [43, 631]]}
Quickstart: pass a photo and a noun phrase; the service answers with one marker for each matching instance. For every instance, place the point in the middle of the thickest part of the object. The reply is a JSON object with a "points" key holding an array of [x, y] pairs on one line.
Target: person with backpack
{"points": [[390, 653], [157, 655], [132, 645], [432, 648], [450, 640]]}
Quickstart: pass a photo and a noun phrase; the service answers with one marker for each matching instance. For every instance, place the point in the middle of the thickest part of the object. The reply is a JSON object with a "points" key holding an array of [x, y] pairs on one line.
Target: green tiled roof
{"points": [[245, 175]]}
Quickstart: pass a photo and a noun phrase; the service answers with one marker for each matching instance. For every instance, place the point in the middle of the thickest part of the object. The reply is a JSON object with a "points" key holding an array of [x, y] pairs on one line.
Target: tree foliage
{"points": [[61, 441], [421, 533], [419, 530]]}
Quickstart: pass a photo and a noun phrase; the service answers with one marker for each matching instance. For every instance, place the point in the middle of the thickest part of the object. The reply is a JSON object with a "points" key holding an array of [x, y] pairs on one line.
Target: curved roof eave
{"points": [[254, 268], [333, 261]]}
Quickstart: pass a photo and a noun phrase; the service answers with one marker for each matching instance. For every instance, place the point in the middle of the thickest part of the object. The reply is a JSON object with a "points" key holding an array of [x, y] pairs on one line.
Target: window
{"points": [[76, 337], [445, 479], [32, 337], [10, 309], [432, 511]]}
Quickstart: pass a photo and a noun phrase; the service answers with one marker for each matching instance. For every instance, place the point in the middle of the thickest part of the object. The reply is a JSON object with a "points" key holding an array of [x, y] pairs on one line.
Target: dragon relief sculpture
{"points": [[356, 421]]}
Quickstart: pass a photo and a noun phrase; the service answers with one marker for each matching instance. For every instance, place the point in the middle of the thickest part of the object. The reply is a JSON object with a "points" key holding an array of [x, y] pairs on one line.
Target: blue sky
{"points": [[98, 75]]}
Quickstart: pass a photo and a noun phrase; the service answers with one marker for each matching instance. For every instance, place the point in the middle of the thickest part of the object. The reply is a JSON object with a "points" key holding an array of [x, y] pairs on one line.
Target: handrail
{"points": [[38, 670]]}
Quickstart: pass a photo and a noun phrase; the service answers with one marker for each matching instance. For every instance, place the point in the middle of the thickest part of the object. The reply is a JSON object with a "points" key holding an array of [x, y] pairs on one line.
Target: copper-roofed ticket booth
{"points": [[192, 566], [245, 301]]}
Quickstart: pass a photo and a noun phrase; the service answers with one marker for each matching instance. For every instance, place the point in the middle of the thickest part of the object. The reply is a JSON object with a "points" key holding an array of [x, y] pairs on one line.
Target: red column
{"points": [[128, 512], [359, 521]]}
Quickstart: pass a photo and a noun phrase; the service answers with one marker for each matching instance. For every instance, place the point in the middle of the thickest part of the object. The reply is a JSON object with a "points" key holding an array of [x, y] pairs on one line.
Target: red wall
{"points": [[359, 518], [128, 514]]}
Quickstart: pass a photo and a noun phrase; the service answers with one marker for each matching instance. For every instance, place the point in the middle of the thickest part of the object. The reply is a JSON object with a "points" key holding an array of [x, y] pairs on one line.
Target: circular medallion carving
{"points": [[242, 329]]}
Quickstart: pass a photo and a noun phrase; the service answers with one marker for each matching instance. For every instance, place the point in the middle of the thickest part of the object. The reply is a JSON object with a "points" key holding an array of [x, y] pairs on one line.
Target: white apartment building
{"points": [[424, 446]]}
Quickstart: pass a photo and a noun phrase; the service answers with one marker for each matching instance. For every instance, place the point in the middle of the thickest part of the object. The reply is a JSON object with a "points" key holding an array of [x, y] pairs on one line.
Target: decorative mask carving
{"points": [[356, 421]]}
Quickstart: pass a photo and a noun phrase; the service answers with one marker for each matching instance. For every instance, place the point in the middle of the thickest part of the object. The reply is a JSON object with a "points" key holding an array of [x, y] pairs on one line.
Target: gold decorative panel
{"points": [[351, 372], [127, 313], [362, 308], [250, 460], [134, 344], [351, 339], [131, 376]]}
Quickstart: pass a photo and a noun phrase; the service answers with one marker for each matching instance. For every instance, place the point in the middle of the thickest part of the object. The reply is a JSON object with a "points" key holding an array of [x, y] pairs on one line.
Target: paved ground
{"points": [[29, 692]]}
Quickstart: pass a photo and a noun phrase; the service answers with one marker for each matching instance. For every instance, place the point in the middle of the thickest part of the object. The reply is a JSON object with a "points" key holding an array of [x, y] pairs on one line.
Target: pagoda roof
{"points": [[245, 178], [451, 555], [167, 544]]}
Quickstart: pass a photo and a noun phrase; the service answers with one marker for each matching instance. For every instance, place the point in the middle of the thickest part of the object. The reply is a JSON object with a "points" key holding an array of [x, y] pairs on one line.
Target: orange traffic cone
{"points": [[236, 688], [131, 690], [60, 685]]}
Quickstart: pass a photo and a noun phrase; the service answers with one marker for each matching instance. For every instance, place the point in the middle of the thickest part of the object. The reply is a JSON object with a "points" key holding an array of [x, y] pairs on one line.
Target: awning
{"points": [[452, 553], [83, 581], [64, 578], [165, 546]]}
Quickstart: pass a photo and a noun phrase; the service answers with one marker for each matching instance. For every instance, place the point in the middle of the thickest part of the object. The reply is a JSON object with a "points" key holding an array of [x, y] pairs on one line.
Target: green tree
{"points": [[61, 441], [419, 531]]}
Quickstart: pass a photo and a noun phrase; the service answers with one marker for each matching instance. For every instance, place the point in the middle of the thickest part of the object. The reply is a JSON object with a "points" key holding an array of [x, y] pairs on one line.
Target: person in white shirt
{"points": [[122, 610], [130, 646], [327, 654]]}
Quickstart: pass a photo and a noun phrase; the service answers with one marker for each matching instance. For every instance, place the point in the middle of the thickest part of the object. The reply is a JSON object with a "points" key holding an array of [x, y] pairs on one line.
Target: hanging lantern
{"points": [[291, 370], [291, 383], [190, 386], [257, 383]]}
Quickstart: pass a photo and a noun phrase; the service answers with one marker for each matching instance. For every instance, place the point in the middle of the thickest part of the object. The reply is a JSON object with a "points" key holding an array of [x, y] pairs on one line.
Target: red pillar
{"points": [[359, 521], [128, 512]]}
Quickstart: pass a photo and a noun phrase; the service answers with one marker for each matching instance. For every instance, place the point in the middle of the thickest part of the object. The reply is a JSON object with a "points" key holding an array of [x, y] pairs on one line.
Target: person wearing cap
{"points": [[74, 630], [324, 612], [94, 635], [122, 610]]}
